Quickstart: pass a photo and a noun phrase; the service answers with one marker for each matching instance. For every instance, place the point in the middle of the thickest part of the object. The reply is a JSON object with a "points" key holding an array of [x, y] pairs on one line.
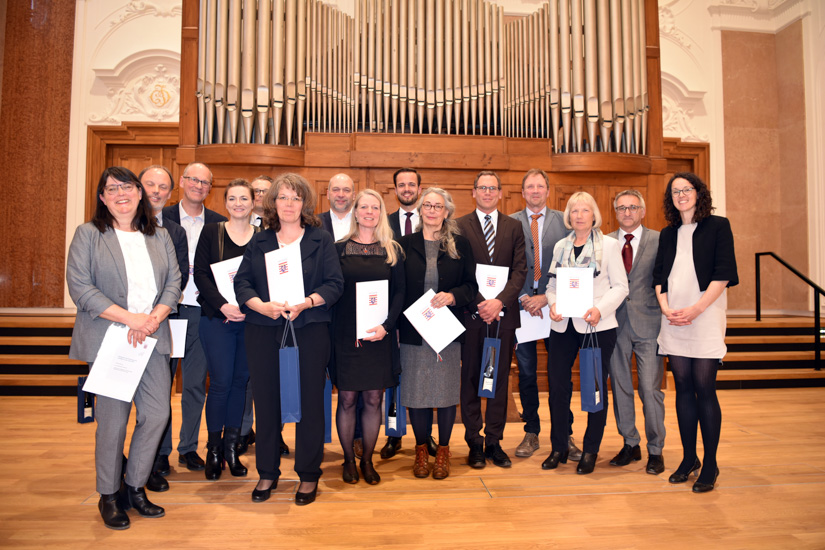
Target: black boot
{"points": [[112, 513], [214, 456], [135, 497], [230, 451]]}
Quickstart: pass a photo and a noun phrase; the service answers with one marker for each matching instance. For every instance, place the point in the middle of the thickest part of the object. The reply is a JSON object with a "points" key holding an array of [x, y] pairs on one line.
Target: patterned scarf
{"points": [[591, 255]]}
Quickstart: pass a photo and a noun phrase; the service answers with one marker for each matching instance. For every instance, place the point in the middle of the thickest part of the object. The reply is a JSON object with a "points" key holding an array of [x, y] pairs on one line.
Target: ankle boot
{"points": [[441, 469], [214, 456], [421, 466], [135, 498], [230, 451]]}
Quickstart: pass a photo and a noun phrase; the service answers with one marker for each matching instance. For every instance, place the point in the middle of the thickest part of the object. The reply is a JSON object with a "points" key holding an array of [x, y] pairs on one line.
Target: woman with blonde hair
{"points": [[368, 365]]}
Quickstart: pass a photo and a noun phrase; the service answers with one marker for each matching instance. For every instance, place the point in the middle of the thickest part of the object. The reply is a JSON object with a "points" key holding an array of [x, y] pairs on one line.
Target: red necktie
{"points": [[627, 253], [408, 224]]}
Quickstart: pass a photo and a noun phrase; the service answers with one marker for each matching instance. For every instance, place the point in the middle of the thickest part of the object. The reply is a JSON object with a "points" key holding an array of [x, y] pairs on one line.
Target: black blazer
{"points": [[322, 274], [395, 225], [326, 223], [455, 276], [209, 216], [713, 254], [181, 249]]}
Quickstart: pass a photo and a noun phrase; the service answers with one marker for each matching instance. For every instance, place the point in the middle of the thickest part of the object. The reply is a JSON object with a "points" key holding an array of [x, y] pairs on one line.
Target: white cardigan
{"points": [[609, 289]]}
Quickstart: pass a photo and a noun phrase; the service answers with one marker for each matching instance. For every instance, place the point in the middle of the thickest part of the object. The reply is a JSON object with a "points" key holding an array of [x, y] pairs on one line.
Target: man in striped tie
{"points": [[498, 240]]}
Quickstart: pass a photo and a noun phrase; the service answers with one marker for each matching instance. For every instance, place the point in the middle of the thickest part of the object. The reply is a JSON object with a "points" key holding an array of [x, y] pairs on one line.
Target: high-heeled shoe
{"points": [[214, 457], [681, 478], [369, 473], [262, 495], [700, 487], [302, 499], [230, 452], [350, 472], [552, 461]]}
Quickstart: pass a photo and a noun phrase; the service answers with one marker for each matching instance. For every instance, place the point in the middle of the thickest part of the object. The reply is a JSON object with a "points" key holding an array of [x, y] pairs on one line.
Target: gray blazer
{"points": [[96, 277], [552, 232], [641, 309]]}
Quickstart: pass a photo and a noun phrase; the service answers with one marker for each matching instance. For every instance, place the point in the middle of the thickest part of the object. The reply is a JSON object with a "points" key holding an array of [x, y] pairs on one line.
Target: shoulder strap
{"points": [[221, 232]]}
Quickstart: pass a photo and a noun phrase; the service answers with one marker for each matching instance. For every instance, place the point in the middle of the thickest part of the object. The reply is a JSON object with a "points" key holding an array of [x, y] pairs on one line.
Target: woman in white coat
{"points": [[585, 246]]}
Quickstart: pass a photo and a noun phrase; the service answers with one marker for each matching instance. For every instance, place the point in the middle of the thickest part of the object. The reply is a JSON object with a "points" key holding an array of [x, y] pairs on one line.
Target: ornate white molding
{"points": [[668, 28], [769, 16], [679, 107], [136, 9]]}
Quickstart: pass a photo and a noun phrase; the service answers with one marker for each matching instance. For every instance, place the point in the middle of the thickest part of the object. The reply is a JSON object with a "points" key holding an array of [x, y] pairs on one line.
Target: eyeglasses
{"points": [[485, 188], [429, 206], [113, 189], [196, 181], [261, 191], [686, 191], [284, 198], [633, 208]]}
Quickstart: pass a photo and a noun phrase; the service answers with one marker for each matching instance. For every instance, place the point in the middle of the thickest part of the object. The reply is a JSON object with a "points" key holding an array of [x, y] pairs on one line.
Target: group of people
{"points": [[137, 263]]}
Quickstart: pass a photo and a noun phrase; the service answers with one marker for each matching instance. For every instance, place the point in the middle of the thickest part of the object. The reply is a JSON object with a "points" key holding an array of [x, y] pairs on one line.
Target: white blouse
{"points": [[142, 288]]}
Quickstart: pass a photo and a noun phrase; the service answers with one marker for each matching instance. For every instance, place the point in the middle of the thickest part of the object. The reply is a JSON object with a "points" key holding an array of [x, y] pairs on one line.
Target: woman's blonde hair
{"points": [[588, 199], [449, 229], [383, 232]]}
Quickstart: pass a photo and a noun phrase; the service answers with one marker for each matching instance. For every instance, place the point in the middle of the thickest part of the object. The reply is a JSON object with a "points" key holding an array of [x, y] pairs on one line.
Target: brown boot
{"points": [[421, 468], [442, 462]]}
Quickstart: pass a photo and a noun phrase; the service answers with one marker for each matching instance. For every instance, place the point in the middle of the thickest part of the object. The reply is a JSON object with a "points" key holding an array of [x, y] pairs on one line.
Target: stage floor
{"points": [[770, 493]]}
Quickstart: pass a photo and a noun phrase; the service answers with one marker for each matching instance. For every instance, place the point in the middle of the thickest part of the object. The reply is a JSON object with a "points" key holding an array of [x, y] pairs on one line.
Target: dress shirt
{"points": [[634, 242], [493, 219], [193, 225], [402, 220], [340, 227]]}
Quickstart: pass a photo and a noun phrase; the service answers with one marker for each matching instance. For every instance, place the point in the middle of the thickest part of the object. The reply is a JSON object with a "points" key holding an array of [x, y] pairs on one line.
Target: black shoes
{"points": [[655, 464], [678, 477], [627, 455], [262, 495], [113, 515], [476, 459], [161, 466], [302, 499], [392, 446], [284, 448], [192, 461], [700, 487], [587, 463], [135, 497], [497, 455], [432, 448], [230, 452], [369, 474], [214, 457], [157, 483], [552, 461], [350, 472], [245, 441]]}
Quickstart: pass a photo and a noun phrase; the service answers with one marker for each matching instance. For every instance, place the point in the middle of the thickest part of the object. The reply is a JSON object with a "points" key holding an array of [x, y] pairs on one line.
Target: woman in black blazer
{"points": [[437, 258], [222, 331], [694, 266], [289, 207]]}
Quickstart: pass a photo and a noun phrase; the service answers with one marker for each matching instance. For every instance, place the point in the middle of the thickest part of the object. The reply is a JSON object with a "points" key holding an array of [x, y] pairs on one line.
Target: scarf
{"points": [[591, 255]]}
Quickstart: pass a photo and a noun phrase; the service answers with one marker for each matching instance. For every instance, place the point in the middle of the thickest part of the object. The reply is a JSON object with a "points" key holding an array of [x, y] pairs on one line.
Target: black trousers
{"points": [[262, 345], [565, 349], [495, 417]]}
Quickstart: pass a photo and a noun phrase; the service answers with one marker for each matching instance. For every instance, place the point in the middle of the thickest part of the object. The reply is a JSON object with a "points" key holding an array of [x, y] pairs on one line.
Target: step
{"points": [[763, 356], [22, 359], [772, 339], [38, 380], [64, 321], [770, 374], [35, 340], [768, 322]]}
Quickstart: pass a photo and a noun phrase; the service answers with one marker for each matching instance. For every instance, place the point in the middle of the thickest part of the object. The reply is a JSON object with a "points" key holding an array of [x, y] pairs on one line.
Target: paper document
{"points": [[189, 296], [491, 279], [534, 328], [178, 330], [574, 291], [284, 274], [438, 326], [371, 306], [118, 367], [224, 273]]}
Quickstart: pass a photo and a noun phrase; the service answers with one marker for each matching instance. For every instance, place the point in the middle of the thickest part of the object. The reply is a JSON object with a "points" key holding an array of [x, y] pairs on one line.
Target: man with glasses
{"points": [[260, 185], [191, 214], [542, 228], [498, 240], [639, 320], [341, 194]]}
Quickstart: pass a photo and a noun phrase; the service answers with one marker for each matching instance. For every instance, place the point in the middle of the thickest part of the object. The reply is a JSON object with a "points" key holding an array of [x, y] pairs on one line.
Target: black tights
{"points": [[696, 401], [370, 421], [422, 424]]}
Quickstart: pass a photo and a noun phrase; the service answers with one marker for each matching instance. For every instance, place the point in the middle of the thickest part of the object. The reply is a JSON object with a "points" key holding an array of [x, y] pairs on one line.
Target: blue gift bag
{"points": [[395, 414], [489, 365], [590, 373], [328, 411], [290, 378]]}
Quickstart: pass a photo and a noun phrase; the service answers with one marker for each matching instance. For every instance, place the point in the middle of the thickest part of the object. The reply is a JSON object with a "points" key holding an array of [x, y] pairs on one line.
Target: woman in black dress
{"points": [[367, 366]]}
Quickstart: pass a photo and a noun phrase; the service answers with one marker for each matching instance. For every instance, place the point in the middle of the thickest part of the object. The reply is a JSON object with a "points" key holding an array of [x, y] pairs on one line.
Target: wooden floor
{"points": [[770, 494]]}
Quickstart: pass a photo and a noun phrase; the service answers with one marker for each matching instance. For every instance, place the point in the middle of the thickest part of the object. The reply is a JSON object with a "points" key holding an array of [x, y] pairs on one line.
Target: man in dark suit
{"points": [[496, 239], [191, 214], [407, 189], [341, 195], [547, 226], [260, 185], [639, 320]]}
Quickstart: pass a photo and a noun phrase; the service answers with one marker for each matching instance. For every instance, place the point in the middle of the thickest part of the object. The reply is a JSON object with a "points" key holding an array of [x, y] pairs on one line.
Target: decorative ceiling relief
{"points": [[680, 109], [756, 15], [136, 9]]}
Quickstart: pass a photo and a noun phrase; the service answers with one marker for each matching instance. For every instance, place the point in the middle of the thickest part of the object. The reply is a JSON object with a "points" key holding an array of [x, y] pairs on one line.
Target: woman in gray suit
{"points": [[122, 269]]}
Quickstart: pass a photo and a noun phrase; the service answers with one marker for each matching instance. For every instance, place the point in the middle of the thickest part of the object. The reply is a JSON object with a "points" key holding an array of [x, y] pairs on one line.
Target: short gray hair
{"points": [[628, 192]]}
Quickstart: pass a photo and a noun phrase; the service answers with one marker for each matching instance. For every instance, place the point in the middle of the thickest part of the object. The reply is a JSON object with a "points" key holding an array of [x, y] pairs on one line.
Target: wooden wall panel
{"points": [[34, 145]]}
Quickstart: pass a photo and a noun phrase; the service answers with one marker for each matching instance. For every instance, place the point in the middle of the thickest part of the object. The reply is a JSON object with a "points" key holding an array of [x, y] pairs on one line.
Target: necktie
{"points": [[534, 229], [408, 224], [627, 253], [489, 235]]}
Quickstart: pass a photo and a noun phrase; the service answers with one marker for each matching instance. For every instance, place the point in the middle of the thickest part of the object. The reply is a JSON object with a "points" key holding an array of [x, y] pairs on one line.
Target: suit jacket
{"points": [[640, 309], [96, 277], [326, 223], [455, 276], [509, 252], [178, 235], [321, 273], [552, 232], [609, 289], [209, 216], [713, 254]]}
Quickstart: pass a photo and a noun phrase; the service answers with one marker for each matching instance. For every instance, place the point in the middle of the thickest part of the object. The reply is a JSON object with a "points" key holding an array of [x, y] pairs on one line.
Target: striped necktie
{"points": [[534, 229], [489, 235]]}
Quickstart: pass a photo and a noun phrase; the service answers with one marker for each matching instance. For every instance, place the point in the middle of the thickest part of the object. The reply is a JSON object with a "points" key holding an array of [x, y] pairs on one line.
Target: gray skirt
{"points": [[427, 382]]}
